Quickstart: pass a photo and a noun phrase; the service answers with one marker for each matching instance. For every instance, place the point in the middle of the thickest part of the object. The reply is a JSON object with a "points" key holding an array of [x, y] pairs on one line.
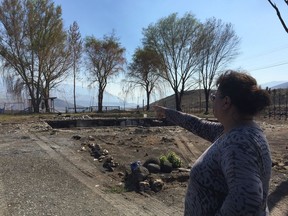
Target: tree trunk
{"points": [[178, 101], [148, 101], [207, 94], [35, 105], [46, 96], [206, 104], [74, 87], [46, 101], [100, 100]]}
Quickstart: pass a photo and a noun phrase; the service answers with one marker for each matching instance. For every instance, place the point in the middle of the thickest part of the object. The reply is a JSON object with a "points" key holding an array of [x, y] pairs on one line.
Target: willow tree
{"points": [[105, 59], [217, 46], [144, 72], [173, 39], [33, 47]]}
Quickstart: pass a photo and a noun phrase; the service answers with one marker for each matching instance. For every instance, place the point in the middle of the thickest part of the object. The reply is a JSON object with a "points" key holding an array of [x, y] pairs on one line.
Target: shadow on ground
{"points": [[278, 194]]}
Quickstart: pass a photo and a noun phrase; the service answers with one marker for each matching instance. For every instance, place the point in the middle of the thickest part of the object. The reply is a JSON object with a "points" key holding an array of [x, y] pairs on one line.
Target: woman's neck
{"points": [[238, 122]]}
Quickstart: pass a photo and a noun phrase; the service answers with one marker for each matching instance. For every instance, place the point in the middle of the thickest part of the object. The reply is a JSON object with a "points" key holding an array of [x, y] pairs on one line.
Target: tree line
{"points": [[180, 53]]}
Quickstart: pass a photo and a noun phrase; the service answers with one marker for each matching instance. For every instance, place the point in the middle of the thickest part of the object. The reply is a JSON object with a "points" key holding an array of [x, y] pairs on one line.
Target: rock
{"points": [[110, 159], [183, 170], [140, 174], [166, 167], [115, 164], [76, 137], [109, 164], [105, 152], [94, 146], [101, 157], [121, 174], [53, 132], [157, 185], [274, 163], [144, 186], [153, 168], [151, 160], [91, 138], [96, 150]]}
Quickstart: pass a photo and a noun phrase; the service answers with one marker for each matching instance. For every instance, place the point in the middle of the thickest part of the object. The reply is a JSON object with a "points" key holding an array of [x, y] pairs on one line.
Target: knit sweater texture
{"points": [[231, 178]]}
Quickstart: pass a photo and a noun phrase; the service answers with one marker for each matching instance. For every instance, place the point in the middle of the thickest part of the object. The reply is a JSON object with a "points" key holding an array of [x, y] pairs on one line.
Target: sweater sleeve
{"points": [[241, 170], [206, 129]]}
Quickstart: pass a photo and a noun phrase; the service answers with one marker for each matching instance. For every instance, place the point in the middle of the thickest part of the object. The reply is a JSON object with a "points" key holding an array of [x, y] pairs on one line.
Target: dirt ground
{"points": [[130, 144]]}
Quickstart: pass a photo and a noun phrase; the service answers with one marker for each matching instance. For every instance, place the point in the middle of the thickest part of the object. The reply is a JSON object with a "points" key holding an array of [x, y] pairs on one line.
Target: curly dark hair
{"points": [[243, 91]]}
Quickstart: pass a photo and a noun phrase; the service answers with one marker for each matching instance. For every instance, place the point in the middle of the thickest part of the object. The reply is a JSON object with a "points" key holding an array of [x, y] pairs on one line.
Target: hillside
{"points": [[281, 86], [85, 97], [192, 101]]}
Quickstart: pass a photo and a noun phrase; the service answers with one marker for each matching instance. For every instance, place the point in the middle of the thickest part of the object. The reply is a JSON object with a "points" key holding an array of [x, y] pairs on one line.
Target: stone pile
{"points": [[280, 165], [149, 176], [100, 154], [141, 175]]}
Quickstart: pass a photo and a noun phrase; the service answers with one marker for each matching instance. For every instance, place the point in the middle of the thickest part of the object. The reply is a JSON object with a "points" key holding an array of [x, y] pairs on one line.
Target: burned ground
{"points": [[125, 145]]}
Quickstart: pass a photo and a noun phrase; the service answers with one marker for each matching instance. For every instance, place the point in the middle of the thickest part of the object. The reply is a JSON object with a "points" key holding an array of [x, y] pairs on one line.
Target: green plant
{"points": [[162, 159], [173, 158]]}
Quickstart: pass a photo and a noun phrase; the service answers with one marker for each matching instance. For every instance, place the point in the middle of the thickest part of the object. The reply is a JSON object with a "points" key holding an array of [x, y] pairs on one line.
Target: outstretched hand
{"points": [[159, 111]]}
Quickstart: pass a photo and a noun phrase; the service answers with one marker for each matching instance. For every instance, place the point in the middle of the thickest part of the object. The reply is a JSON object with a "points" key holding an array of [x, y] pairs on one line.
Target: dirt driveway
{"points": [[47, 171]]}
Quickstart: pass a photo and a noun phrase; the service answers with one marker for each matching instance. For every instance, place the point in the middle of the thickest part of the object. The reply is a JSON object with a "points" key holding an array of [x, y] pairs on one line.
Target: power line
{"points": [[269, 66], [265, 53]]}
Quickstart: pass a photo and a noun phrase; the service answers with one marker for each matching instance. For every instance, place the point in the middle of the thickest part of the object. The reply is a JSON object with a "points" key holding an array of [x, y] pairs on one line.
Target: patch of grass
{"points": [[117, 189]]}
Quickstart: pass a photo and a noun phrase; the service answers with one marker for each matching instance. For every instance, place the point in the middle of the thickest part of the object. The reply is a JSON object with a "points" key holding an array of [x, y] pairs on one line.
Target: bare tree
{"points": [[105, 59], [33, 47], [279, 14], [173, 39], [217, 46], [144, 72], [76, 50]]}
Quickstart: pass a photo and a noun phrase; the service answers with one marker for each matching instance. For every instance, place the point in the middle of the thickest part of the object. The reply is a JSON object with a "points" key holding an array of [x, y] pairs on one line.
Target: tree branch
{"points": [[279, 14]]}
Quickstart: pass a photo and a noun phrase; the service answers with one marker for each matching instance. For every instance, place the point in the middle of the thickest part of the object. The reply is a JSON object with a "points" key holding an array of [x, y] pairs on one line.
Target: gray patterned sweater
{"points": [[232, 176]]}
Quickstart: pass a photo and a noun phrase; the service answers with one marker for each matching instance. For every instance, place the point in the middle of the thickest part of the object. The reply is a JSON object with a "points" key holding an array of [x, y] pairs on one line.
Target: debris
{"points": [[144, 186], [76, 137], [157, 185]]}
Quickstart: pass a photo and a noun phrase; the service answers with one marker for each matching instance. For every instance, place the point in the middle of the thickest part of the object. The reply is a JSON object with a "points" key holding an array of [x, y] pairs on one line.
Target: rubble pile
{"points": [[149, 176]]}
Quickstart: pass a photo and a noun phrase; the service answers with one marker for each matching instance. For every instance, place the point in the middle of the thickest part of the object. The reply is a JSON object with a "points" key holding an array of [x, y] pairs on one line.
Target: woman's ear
{"points": [[227, 102]]}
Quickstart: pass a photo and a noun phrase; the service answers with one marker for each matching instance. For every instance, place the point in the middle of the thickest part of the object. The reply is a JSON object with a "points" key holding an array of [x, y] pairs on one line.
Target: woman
{"points": [[232, 176]]}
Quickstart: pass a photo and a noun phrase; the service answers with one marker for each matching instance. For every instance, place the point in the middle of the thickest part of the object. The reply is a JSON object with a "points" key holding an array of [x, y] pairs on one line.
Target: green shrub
{"points": [[162, 159], [173, 158]]}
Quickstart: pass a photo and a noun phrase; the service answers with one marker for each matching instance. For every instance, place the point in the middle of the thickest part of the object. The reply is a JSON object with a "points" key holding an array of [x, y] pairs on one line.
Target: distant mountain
{"points": [[273, 84], [85, 97], [282, 86]]}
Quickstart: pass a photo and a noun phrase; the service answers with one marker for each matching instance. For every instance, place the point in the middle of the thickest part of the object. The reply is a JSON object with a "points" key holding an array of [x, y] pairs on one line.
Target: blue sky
{"points": [[264, 43]]}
